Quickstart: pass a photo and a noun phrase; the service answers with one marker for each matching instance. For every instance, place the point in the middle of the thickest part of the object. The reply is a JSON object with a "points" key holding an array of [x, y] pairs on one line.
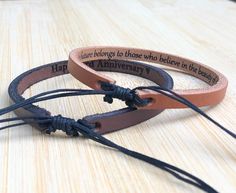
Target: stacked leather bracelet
{"points": [[144, 102]]}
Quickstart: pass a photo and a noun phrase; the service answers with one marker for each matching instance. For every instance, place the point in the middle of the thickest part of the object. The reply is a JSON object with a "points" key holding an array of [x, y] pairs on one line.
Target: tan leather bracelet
{"points": [[211, 95]]}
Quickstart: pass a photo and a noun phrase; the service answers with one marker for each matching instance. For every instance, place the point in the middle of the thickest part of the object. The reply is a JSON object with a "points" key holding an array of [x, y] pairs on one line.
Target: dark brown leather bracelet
{"points": [[114, 120], [105, 122]]}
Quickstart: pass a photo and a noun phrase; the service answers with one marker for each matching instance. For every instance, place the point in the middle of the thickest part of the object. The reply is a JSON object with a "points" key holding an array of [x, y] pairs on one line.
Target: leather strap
{"points": [[210, 95], [105, 122]]}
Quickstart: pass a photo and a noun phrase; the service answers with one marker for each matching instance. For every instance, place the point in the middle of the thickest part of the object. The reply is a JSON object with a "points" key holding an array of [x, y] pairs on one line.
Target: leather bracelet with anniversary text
{"points": [[210, 95], [105, 122], [82, 127]]}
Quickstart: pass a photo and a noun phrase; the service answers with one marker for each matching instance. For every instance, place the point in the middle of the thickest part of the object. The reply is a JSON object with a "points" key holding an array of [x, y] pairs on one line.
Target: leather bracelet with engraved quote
{"points": [[211, 95]]}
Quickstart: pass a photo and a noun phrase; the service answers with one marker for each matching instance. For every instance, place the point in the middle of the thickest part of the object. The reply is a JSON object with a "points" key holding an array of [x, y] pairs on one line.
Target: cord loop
{"points": [[68, 125], [65, 124], [125, 94]]}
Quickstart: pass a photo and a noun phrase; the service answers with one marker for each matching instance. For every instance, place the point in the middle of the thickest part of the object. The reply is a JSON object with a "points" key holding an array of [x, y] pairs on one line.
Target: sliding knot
{"points": [[125, 94], [64, 124]]}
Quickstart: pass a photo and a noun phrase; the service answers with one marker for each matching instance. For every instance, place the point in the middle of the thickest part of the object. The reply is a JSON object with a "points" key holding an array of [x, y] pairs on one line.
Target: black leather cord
{"points": [[74, 128], [169, 93]]}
